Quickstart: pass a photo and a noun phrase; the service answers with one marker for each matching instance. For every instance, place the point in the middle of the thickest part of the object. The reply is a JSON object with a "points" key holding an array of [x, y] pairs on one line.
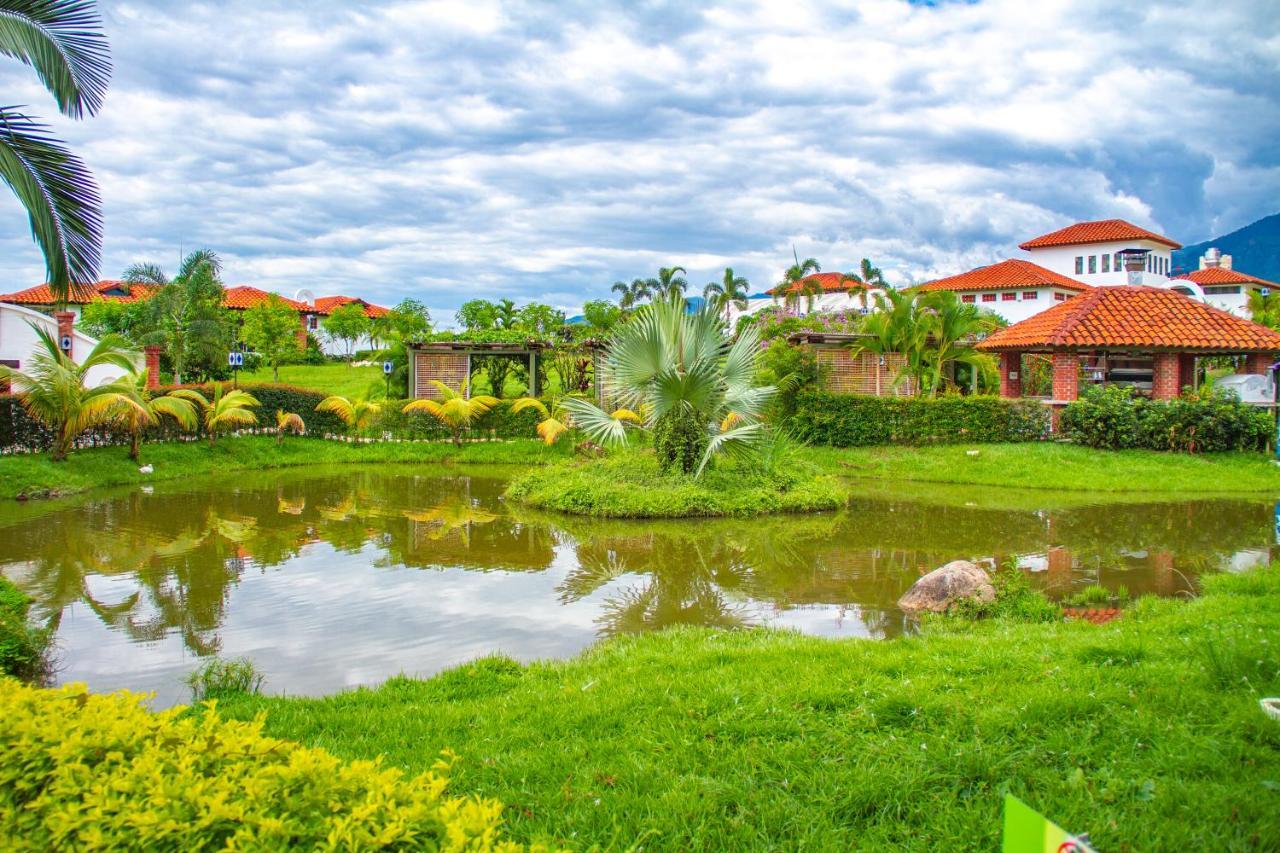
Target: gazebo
{"points": [[450, 362], [1144, 337]]}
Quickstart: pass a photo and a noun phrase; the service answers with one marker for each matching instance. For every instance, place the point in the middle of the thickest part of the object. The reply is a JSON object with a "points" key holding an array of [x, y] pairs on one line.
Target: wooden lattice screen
{"points": [[846, 373], [447, 367]]}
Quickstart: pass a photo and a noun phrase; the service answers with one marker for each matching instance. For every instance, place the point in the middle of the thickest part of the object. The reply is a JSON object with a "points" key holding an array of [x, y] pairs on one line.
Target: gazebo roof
{"points": [[1134, 318]]}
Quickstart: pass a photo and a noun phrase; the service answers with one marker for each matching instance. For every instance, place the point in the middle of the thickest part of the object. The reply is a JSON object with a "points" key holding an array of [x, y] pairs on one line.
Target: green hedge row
{"points": [[1198, 422], [843, 420], [19, 433]]}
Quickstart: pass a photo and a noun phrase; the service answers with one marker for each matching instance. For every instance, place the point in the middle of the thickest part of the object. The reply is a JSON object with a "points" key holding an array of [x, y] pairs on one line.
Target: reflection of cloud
{"points": [[450, 150]]}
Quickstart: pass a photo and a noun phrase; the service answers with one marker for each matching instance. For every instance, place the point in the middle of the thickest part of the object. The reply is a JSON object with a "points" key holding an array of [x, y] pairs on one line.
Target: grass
{"points": [[37, 476], [628, 484], [1144, 732], [331, 378], [1058, 467], [24, 648]]}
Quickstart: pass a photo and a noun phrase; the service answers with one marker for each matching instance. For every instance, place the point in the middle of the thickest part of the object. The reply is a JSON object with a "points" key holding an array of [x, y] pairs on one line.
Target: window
{"points": [[1079, 265], [313, 322], [1009, 296], [1221, 289], [968, 297], [1093, 264], [1117, 264], [988, 297], [1150, 261], [1059, 297], [1106, 263], [1028, 295]]}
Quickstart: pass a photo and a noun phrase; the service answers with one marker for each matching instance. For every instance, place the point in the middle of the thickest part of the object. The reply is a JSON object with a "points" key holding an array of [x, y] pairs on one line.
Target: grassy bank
{"points": [[37, 476], [1145, 732], [628, 484], [1060, 467]]}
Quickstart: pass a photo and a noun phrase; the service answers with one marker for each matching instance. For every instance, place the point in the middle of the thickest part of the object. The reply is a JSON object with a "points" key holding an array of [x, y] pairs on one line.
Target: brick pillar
{"points": [[1186, 370], [302, 331], [1010, 374], [1066, 376], [152, 354], [1258, 363], [1165, 579], [1165, 376], [1059, 564], [66, 329]]}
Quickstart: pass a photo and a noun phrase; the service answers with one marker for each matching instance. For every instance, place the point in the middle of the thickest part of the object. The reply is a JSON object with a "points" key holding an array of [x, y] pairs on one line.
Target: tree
{"points": [[114, 317], [53, 389], [867, 276], [505, 314], [62, 40], [185, 314], [601, 315], [793, 285], [455, 411], [1265, 309], [223, 411], [355, 412], [477, 314], [630, 295], [141, 410], [539, 319], [730, 290], [952, 328], [408, 321], [271, 329], [695, 388], [670, 283], [346, 324]]}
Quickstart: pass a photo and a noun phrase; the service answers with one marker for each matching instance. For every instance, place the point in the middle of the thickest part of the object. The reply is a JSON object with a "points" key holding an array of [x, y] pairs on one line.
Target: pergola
{"points": [[450, 362], [1128, 335]]}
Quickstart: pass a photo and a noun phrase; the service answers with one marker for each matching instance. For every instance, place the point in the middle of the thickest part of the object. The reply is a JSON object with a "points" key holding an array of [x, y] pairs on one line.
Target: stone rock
{"points": [[943, 587]]}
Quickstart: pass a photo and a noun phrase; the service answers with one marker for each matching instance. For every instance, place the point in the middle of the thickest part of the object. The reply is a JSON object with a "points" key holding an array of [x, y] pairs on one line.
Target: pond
{"points": [[329, 579]]}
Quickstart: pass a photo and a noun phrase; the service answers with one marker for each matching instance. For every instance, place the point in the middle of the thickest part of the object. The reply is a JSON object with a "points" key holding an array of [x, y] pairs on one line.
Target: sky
{"points": [[542, 151]]}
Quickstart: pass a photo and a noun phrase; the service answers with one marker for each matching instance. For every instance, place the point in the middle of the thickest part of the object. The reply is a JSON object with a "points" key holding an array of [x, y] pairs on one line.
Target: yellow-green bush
{"points": [[83, 771]]}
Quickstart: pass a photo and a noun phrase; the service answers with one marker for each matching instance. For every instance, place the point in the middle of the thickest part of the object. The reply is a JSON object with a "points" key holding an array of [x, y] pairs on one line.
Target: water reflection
{"points": [[331, 579]]}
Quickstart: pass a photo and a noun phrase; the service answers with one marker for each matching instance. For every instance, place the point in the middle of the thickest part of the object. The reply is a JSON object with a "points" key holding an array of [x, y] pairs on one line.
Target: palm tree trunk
{"points": [[135, 446]]}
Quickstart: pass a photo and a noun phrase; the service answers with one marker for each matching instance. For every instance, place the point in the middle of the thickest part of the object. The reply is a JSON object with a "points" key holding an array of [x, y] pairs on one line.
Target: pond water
{"points": [[329, 579]]}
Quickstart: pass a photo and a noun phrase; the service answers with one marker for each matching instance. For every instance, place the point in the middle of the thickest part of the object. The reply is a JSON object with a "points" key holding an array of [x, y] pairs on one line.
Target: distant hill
{"points": [[1254, 249]]}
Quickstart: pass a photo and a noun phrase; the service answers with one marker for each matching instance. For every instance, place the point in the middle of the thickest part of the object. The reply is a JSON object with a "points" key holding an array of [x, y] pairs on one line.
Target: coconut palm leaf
{"points": [[62, 40]]}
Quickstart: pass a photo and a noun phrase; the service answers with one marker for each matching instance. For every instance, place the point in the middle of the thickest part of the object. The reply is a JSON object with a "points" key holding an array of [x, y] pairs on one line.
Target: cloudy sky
{"points": [[448, 150]]}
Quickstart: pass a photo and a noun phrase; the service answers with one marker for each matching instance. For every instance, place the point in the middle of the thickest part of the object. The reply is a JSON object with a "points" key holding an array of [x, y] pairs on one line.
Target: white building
{"points": [[1014, 289], [1217, 284], [820, 293], [18, 341], [1094, 253]]}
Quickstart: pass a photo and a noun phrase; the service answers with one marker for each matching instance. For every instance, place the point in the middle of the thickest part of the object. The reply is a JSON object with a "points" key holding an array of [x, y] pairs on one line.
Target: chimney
{"points": [[153, 365], [1212, 258], [66, 331], [1225, 262]]}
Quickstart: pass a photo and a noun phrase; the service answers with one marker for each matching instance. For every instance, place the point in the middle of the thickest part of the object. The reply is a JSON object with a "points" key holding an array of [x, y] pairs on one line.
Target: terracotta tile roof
{"points": [[326, 304], [1218, 275], [1006, 275], [828, 281], [243, 296], [1102, 231], [1134, 317], [81, 294]]}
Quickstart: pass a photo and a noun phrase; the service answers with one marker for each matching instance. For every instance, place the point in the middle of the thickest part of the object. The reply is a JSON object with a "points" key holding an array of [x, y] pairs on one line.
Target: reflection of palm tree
{"points": [[454, 513]]}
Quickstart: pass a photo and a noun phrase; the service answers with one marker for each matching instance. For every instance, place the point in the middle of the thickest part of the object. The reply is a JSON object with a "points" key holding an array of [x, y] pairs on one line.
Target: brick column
{"points": [[66, 329], [152, 354], [302, 331], [1010, 374], [1258, 363], [1058, 562], [1066, 376], [1186, 371], [1165, 376]]}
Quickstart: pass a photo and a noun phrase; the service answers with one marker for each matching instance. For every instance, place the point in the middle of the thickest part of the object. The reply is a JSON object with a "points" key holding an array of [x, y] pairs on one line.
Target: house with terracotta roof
{"points": [[1014, 289], [40, 298], [1104, 253], [1217, 284], [824, 293], [1144, 337]]}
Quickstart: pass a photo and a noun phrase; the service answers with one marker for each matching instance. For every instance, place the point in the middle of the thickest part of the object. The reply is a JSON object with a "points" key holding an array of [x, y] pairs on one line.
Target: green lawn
{"points": [[332, 378], [1145, 732]]}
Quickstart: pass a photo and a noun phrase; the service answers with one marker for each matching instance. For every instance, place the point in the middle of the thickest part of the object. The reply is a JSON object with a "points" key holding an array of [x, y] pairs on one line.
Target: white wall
{"points": [[1234, 303], [1022, 305], [18, 342], [1062, 260]]}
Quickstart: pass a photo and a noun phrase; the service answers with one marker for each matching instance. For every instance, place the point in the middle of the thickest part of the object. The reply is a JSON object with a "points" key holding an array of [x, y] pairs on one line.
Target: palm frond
{"points": [[64, 42], [595, 423], [740, 439]]}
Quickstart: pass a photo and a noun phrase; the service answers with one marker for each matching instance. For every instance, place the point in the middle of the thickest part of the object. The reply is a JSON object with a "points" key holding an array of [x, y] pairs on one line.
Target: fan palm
{"points": [[455, 410], [53, 389], [694, 386], [288, 422], [224, 411], [356, 412], [142, 410], [62, 40], [730, 290]]}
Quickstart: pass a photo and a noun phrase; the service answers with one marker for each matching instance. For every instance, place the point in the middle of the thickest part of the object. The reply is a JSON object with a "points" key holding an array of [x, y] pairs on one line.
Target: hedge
{"points": [[80, 771], [23, 646], [1203, 421], [19, 433], [844, 420]]}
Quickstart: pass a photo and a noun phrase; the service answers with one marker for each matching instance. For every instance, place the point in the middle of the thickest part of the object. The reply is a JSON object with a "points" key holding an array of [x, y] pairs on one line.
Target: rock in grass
{"points": [[943, 587]]}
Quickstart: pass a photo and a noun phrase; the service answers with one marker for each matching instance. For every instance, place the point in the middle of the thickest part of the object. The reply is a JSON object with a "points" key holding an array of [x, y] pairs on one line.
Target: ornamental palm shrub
{"points": [[288, 422], [355, 412], [556, 419], [696, 388], [455, 411], [141, 410], [224, 411], [53, 389]]}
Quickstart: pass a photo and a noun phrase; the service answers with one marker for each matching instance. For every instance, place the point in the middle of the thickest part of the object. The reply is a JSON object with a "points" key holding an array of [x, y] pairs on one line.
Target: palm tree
{"points": [[951, 329], [62, 40], [894, 328], [142, 410], [186, 311], [557, 420], [355, 412], [793, 285], [867, 276], [506, 314], [1265, 309], [288, 422], [669, 283], [631, 295], [455, 411], [223, 411], [730, 290], [695, 387], [53, 389]]}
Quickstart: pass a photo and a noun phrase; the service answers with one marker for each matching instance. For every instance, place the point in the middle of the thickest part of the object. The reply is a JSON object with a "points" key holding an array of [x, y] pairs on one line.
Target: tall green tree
{"points": [[186, 315], [506, 315], [793, 287], [601, 315], [539, 318], [730, 290], [477, 315], [63, 42], [346, 324], [670, 283], [409, 320], [1265, 310], [867, 275], [631, 295], [952, 328], [271, 329]]}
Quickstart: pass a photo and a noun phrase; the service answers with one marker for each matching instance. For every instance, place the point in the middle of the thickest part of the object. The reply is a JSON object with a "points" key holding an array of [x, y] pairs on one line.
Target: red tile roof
{"points": [[1134, 317], [1102, 231], [828, 281], [243, 296], [81, 294], [326, 304], [1012, 274], [1218, 275]]}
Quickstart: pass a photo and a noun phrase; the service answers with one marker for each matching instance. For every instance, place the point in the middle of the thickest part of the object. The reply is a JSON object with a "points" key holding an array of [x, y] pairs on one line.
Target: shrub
{"points": [[23, 647], [1204, 421], [1015, 599], [81, 771], [218, 679], [844, 420]]}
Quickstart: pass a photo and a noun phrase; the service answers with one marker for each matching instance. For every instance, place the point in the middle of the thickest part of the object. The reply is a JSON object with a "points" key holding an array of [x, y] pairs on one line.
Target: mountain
{"points": [[1254, 249]]}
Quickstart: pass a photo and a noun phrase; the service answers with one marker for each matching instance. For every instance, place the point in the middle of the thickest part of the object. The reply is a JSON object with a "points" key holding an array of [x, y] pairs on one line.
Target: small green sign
{"points": [[1028, 831]]}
